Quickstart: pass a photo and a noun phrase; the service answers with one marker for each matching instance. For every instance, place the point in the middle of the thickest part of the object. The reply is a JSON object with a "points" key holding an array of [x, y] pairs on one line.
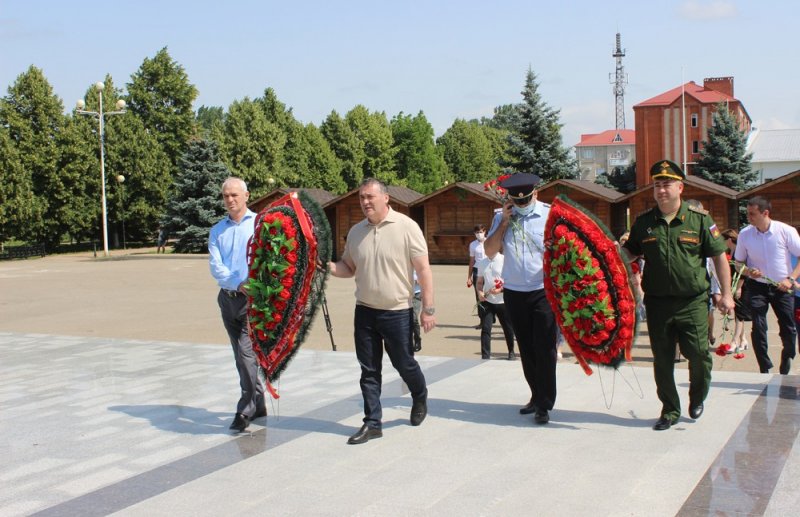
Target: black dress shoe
{"points": [[541, 416], [696, 411], [419, 410], [786, 365], [512, 356], [663, 424], [365, 434], [527, 409], [240, 423], [260, 413]]}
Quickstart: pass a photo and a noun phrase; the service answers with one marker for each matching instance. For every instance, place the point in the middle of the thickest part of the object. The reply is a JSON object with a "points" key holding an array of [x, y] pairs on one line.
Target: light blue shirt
{"points": [[227, 249], [523, 249]]}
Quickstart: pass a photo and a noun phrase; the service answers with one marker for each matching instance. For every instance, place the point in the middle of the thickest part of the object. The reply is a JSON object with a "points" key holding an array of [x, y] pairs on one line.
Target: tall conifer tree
{"points": [[196, 204]]}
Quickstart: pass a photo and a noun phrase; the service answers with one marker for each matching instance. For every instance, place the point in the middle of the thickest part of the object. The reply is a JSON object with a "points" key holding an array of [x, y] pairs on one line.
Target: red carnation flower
{"points": [[291, 257], [285, 294]]}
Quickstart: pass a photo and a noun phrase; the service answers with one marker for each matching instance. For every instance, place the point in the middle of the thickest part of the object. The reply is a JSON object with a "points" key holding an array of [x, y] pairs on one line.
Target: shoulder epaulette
{"points": [[698, 210]]}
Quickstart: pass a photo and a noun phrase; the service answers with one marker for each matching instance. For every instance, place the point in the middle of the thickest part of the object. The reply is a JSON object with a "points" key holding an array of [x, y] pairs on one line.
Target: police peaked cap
{"points": [[521, 184]]}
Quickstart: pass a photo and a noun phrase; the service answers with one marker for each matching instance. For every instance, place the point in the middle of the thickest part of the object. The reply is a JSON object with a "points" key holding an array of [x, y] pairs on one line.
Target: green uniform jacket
{"points": [[675, 253]]}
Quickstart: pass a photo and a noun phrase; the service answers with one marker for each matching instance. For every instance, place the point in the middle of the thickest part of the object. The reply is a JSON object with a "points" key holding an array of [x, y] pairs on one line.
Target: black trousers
{"points": [[234, 317], [375, 329], [490, 311], [762, 296], [535, 327]]}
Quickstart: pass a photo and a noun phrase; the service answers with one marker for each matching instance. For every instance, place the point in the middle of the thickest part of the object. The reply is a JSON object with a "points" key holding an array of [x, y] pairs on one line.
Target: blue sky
{"points": [[449, 59]]}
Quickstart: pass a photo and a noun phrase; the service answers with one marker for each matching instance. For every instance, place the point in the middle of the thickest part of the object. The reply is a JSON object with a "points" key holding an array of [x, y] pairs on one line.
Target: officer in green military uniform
{"points": [[675, 240]]}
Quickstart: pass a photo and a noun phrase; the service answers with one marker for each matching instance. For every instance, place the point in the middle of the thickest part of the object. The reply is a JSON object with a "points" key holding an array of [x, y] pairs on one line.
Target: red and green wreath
{"points": [[587, 284], [285, 286]]}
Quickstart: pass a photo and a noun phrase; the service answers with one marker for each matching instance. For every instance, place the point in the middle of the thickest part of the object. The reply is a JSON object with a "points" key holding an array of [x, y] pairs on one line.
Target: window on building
{"points": [[587, 153], [694, 119], [695, 146]]}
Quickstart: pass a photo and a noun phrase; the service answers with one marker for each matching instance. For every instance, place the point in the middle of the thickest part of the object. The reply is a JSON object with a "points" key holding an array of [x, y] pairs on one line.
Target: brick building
{"points": [[601, 153], [683, 114]]}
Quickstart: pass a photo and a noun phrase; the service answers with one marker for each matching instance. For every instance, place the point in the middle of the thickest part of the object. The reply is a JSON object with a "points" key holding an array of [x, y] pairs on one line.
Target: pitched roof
{"points": [[694, 181], [703, 95], [590, 187], [769, 184], [319, 195], [609, 137], [775, 145], [402, 195], [475, 188]]}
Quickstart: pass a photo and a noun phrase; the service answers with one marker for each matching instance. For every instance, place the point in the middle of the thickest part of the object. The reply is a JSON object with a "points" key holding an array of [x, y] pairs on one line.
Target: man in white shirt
{"points": [[766, 248]]}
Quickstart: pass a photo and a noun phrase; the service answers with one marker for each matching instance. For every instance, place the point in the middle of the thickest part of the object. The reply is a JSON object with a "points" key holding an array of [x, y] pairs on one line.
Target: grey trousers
{"points": [[234, 317]]}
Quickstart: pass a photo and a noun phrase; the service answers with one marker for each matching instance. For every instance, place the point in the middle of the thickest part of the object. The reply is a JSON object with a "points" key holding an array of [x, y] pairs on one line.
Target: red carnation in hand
{"points": [[723, 349]]}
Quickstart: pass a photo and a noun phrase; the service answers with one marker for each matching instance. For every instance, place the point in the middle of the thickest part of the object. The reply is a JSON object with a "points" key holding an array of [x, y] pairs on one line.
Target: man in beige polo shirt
{"points": [[382, 252]]}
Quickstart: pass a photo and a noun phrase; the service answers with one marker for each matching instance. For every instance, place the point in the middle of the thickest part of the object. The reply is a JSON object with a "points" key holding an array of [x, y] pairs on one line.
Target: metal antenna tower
{"points": [[619, 81]]}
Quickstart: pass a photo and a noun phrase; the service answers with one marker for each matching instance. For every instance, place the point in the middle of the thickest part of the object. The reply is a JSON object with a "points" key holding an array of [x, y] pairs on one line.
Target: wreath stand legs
{"points": [[606, 400]]}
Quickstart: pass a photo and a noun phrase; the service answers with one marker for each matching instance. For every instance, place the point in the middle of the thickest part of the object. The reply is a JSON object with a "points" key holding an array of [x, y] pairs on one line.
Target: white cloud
{"points": [[699, 10]]}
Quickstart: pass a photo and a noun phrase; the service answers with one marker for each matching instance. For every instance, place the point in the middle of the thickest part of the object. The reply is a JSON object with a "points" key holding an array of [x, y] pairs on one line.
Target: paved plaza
{"points": [[117, 388]]}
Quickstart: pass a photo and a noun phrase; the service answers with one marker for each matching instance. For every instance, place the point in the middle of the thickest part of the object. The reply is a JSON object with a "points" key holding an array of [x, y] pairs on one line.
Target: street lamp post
{"points": [[120, 181], [100, 116]]}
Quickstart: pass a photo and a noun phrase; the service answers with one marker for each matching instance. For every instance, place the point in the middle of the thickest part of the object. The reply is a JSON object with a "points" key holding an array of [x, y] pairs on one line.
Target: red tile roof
{"points": [[703, 95], [627, 136]]}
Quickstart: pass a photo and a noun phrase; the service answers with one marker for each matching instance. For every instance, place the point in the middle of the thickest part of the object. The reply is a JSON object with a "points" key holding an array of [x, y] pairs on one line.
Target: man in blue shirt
{"points": [[227, 248], [518, 232]]}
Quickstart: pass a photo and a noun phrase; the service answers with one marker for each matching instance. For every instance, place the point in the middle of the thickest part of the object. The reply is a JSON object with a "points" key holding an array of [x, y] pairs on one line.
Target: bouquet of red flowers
{"points": [[587, 284], [285, 286], [494, 187]]}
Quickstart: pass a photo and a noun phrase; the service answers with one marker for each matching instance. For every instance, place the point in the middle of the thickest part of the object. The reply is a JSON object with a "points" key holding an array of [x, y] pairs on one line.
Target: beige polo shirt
{"points": [[382, 256]]}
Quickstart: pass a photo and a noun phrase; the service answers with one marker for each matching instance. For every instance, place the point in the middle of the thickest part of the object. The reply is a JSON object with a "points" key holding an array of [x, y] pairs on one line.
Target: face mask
{"points": [[480, 236], [522, 211]]}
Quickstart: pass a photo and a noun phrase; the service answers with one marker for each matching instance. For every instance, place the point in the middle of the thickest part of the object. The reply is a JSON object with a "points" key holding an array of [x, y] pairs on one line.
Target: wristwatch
{"points": [[430, 311]]}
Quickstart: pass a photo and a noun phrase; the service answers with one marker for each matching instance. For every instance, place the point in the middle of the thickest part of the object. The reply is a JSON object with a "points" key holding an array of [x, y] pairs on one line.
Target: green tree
{"points": [[621, 179], [251, 145], [137, 203], [535, 140], [375, 133], [468, 153], [18, 204], [33, 116], [346, 147], [504, 118], [723, 158], [419, 162], [207, 118], [161, 95], [308, 157], [195, 204]]}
